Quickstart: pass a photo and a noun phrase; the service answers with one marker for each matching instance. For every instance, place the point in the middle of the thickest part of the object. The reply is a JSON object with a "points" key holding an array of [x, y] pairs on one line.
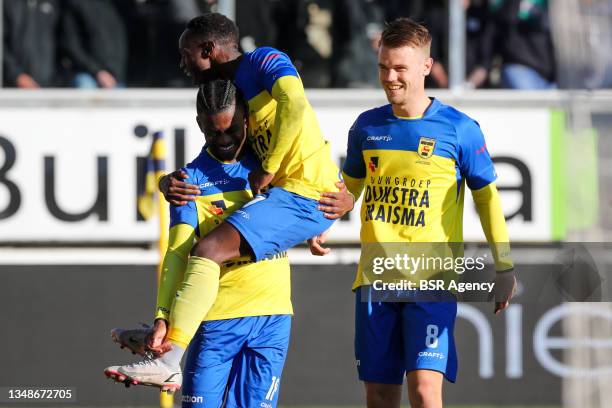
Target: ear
{"points": [[427, 66], [207, 48], [200, 124]]}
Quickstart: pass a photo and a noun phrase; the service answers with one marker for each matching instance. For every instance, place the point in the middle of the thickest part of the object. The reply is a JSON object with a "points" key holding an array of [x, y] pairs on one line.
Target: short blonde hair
{"points": [[403, 32]]}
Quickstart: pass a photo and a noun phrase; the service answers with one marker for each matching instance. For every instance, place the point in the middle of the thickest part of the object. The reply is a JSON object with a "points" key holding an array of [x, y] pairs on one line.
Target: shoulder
{"points": [[196, 169], [463, 124], [264, 55], [371, 117]]}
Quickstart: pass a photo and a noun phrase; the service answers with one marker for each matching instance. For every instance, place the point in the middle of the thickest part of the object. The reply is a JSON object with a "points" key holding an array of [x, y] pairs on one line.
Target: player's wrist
{"points": [[354, 200], [162, 315]]}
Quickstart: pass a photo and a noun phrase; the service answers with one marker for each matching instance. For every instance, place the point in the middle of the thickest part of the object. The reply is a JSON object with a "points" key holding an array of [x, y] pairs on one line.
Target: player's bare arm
{"points": [[259, 179]]}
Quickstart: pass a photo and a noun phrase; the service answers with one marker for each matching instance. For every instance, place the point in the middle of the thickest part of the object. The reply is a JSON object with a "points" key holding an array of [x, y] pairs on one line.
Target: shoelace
{"points": [[148, 360]]}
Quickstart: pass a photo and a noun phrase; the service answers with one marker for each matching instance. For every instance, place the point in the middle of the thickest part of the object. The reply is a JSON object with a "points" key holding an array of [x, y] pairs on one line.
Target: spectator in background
{"points": [[299, 28], [257, 24], [95, 42], [308, 40], [478, 47], [433, 14], [154, 26], [435, 18], [357, 25], [521, 29], [30, 43]]}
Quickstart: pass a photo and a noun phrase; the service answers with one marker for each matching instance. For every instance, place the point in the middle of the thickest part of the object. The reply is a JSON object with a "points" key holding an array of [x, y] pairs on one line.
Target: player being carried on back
{"points": [[295, 160], [240, 347]]}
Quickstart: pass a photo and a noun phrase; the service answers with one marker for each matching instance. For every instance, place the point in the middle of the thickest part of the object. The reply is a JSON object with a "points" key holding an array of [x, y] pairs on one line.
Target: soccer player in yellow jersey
{"points": [[295, 163], [239, 349], [412, 159]]}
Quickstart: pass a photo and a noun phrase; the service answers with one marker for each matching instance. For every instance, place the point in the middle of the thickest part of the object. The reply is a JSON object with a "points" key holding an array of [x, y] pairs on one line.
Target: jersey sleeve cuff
{"points": [[162, 313]]}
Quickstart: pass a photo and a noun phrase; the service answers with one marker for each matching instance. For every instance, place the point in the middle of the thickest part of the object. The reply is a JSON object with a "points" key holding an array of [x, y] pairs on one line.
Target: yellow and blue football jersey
{"points": [[301, 161], [246, 288], [413, 173]]}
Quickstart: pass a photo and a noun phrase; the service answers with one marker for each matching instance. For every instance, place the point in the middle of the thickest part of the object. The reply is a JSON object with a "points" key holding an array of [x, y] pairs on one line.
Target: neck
{"points": [[230, 161], [229, 61], [414, 107]]}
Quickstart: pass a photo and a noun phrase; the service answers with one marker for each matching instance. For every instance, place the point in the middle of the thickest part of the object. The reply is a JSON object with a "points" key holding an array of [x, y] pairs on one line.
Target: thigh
{"points": [[210, 360], [378, 339], [255, 379], [221, 244], [278, 220], [429, 342]]}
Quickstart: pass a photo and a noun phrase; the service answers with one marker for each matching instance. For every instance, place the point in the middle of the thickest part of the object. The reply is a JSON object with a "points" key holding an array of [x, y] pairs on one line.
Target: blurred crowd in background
{"points": [[517, 44]]}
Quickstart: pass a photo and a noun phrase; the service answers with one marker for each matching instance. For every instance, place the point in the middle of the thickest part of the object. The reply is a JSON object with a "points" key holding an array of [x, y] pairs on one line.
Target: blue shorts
{"points": [[239, 361], [393, 338], [278, 220]]}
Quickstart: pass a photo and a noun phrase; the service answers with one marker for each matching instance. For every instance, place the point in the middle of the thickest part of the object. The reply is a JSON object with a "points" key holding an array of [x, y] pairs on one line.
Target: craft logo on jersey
{"points": [[426, 147], [373, 164]]}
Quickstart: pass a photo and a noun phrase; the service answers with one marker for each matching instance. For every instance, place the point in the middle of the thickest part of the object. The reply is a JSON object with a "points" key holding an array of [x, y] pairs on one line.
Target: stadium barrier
{"points": [[69, 170]]}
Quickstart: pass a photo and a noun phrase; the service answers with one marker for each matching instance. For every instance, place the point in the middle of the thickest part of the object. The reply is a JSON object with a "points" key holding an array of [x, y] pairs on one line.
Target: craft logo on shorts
{"points": [[373, 164], [426, 147]]}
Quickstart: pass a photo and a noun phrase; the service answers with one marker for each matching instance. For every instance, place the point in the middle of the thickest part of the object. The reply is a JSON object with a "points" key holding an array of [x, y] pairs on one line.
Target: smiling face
{"points": [[225, 132], [402, 71]]}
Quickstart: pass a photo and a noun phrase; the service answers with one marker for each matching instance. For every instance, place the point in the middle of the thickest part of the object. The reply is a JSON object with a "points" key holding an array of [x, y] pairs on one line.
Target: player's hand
{"points": [[315, 244], [504, 290], [156, 340], [259, 179], [336, 204], [176, 191]]}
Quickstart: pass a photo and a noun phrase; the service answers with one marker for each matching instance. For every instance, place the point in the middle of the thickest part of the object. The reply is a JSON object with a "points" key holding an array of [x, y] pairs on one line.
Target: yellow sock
{"points": [[194, 298]]}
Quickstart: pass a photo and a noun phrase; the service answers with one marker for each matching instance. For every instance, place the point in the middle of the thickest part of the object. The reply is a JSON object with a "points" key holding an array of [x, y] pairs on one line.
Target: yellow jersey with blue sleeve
{"points": [[246, 288], [283, 129], [413, 172]]}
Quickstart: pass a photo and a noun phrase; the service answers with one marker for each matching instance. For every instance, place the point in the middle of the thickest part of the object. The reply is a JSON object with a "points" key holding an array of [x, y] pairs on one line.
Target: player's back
{"points": [[307, 168], [246, 288]]}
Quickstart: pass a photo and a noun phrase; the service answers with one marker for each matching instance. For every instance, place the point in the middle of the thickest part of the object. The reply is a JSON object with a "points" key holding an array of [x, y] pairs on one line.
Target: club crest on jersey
{"points": [[373, 164], [217, 207], [426, 147]]}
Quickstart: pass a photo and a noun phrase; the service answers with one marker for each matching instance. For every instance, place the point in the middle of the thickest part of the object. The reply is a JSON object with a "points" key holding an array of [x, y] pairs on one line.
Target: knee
{"points": [[425, 394], [206, 247], [383, 395]]}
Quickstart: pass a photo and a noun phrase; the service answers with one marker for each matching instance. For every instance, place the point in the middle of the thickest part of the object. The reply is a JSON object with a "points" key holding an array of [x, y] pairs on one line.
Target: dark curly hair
{"points": [[214, 26]]}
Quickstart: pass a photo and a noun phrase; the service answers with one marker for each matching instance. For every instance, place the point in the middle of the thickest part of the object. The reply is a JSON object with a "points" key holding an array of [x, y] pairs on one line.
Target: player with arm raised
{"points": [[241, 343], [295, 160], [423, 153]]}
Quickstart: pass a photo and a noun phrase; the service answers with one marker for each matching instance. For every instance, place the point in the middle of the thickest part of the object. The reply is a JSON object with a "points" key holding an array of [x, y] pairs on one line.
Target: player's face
{"points": [[225, 132], [402, 72], [194, 55]]}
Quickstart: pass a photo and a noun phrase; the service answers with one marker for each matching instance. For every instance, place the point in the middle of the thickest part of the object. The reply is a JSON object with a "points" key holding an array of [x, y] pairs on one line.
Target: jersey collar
{"points": [[433, 107]]}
